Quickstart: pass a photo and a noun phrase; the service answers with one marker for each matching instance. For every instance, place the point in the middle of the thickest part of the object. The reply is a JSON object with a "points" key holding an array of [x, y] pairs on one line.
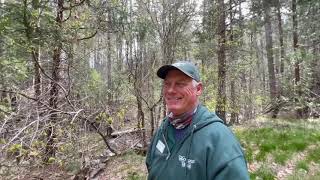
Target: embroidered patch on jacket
{"points": [[186, 162]]}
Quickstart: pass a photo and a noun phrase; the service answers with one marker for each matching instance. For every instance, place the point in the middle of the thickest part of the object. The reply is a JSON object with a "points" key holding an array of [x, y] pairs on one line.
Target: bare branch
{"points": [[88, 37]]}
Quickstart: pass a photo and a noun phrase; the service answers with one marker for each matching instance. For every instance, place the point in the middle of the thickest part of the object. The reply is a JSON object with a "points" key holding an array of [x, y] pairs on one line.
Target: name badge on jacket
{"points": [[160, 146]]}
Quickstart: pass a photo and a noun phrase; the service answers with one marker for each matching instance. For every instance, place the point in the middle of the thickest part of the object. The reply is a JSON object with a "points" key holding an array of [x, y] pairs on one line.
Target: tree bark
{"points": [[233, 95], [50, 150], [269, 49], [298, 92], [282, 48], [221, 96], [282, 53], [109, 61]]}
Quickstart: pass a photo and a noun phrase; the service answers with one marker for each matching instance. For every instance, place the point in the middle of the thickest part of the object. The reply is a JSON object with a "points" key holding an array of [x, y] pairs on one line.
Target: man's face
{"points": [[179, 92]]}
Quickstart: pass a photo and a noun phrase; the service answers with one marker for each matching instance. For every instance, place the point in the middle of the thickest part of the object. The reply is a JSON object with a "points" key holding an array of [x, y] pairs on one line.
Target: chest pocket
{"points": [[159, 154]]}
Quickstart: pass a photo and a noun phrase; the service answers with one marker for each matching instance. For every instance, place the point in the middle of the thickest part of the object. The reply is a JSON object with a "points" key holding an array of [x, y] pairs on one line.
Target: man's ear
{"points": [[199, 89]]}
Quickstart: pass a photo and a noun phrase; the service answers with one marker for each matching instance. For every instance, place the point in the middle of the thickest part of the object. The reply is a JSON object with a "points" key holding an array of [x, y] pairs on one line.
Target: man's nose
{"points": [[170, 88]]}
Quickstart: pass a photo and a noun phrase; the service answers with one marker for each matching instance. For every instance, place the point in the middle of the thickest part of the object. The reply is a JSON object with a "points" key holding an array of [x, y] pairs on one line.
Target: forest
{"points": [[80, 98]]}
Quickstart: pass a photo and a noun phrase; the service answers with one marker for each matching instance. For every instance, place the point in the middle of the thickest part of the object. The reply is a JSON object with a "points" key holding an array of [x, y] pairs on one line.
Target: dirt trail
{"points": [[283, 172]]}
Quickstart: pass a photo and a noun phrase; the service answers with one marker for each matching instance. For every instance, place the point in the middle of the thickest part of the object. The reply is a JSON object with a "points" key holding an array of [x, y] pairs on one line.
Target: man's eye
{"points": [[180, 84]]}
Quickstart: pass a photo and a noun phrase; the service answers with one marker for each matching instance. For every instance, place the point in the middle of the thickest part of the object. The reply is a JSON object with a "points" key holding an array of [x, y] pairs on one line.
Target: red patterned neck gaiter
{"points": [[181, 121]]}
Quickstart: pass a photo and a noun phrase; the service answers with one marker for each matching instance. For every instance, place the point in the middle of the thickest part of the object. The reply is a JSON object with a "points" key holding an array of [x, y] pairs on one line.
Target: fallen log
{"points": [[128, 131]]}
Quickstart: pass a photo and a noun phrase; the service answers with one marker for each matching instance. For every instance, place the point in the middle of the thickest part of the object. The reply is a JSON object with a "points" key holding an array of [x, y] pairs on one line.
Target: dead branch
{"points": [[129, 131]]}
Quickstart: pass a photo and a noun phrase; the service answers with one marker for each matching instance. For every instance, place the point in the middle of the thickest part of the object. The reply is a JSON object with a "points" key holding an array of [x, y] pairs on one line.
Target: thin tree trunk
{"points": [[221, 96], [282, 48], [158, 117], [282, 52], [37, 74], [297, 61], [244, 87], [262, 67], [250, 98], [315, 71], [119, 51], [315, 68], [233, 96], [152, 121], [109, 62], [269, 46], [54, 89]]}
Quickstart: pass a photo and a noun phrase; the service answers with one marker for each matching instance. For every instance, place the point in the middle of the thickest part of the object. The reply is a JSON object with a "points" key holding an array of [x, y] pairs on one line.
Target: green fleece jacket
{"points": [[208, 151]]}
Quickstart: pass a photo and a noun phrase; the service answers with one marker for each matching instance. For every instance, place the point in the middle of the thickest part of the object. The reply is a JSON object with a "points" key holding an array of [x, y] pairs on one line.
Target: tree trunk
{"points": [[262, 66], [315, 71], [119, 50], [269, 46], [141, 120], [282, 50], [233, 96], [109, 62], [152, 121], [54, 89], [37, 74], [221, 96], [298, 92], [282, 53], [234, 107]]}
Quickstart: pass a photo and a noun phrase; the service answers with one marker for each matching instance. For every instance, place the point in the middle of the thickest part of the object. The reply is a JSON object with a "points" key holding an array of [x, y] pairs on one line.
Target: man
{"points": [[192, 143]]}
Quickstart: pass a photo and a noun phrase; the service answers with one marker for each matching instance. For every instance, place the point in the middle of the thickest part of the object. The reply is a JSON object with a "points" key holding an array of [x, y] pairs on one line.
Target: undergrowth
{"points": [[278, 142]]}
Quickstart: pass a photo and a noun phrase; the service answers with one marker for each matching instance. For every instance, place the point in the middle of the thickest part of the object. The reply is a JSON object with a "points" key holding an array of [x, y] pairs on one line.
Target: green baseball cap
{"points": [[186, 67]]}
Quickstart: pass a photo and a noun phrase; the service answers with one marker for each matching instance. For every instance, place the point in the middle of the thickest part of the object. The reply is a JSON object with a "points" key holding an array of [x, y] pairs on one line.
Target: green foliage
{"points": [[314, 155], [211, 104], [209, 77], [95, 87], [248, 153], [134, 173], [72, 166], [280, 142], [302, 165], [13, 71], [2, 141], [4, 108], [51, 160], [281, 157], [135, 176], [121, 113], [259, 100], [17, 151], [103, 117], [264, 173], [15, 148], [121, 116]]}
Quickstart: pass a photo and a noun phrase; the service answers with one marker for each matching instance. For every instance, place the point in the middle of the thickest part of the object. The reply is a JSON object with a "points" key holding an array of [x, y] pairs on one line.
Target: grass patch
{"points": [[264, 173], [302, 174], [135, 176], [302, 165], [280, 141], [281, 157], [315, 177], [314, 155], [248, 153], [129, 166]]}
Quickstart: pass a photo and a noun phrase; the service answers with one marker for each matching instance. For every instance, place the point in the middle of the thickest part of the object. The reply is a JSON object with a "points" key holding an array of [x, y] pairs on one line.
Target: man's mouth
{"points": [[173, 99]]}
